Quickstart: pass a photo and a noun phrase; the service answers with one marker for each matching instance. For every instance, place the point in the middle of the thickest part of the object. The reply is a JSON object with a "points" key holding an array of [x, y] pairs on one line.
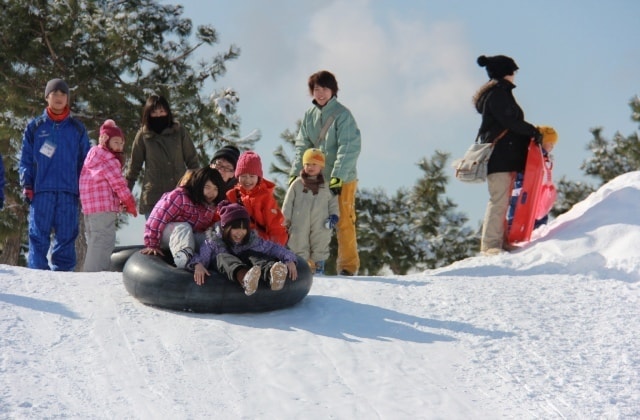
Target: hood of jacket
{"points": [[486, 90]]}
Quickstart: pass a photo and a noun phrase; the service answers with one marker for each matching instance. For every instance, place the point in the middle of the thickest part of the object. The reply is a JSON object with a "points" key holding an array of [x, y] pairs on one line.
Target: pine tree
{"points": [[610, 159], [445, 238], [569, 193], [280, 169], [386, 231], [112, 55]]}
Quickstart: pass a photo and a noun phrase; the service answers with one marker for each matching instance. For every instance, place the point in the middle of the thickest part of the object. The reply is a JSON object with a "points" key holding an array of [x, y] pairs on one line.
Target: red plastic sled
{"points": [[536, 196]]}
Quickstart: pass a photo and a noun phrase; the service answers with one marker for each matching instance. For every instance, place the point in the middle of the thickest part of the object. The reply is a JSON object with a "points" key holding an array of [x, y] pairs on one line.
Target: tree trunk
{"points": [[11, 249], [81, 244]]}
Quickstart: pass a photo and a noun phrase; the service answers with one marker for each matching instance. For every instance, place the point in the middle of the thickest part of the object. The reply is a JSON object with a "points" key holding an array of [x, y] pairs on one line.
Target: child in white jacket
{"points": [[311, 212]]}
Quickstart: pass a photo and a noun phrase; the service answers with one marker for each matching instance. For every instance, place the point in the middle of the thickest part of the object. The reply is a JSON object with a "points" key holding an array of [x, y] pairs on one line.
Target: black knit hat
{"points": [[498, 66], [56, 84], [229, 153]]}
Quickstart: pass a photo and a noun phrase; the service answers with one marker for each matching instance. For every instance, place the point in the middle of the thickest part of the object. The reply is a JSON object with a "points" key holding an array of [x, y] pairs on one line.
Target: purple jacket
{"points": [[215, 245]]}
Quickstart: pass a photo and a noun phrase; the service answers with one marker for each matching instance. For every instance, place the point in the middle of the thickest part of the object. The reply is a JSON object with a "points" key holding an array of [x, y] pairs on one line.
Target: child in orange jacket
{"points": [[256, 194]]}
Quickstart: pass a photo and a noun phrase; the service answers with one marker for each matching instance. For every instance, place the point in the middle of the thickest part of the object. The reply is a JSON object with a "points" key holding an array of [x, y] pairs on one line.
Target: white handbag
{"points": [[472, 167]]}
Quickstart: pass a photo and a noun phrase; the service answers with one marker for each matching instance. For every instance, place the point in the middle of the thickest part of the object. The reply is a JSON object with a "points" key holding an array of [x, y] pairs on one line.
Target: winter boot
{"points": [[278, 275], [319, 268], [249, 280], [182, 257]]}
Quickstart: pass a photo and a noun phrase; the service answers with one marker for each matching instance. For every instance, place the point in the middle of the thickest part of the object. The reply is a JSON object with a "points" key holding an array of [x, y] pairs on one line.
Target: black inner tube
{"points": [[154, 281]]}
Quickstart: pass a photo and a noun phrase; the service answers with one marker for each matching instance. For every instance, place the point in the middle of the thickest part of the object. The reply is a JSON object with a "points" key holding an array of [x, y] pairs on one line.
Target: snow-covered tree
{"points": [[226, 126], [444, 236], [386, 231], [113, 55], [610, 158], [284, 160]]}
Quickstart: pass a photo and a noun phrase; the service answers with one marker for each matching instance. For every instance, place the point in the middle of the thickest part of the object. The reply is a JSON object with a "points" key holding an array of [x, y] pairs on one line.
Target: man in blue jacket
{"points": [[54, 146]]}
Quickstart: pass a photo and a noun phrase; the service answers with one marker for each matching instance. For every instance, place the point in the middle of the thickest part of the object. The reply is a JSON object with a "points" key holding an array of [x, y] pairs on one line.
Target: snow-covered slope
{"points": [[550, 331]]}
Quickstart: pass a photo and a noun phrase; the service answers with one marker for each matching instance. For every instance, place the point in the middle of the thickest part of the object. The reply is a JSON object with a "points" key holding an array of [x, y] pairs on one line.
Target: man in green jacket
{"points": [[329, 126]]}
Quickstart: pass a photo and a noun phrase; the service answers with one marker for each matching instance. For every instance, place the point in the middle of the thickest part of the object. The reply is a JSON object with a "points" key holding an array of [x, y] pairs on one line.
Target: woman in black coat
{"points": [[502, 119]]}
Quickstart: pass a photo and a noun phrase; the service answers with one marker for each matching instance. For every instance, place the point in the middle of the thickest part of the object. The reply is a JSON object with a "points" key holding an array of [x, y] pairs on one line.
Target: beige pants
{"points": [[493, 228]]}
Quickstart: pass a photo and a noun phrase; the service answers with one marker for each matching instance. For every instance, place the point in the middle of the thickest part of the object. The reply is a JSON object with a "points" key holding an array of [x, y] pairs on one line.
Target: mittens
{"points": [[331, 221], [27, 193], [538, 137], [130, 205]]}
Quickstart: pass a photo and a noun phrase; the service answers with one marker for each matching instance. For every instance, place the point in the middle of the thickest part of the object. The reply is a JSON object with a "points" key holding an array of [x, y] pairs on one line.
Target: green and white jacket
{"points": [[341, 144]]}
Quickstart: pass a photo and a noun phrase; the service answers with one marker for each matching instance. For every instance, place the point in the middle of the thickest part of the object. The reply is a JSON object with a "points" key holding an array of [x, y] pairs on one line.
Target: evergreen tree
{"points": [[610, 159], [444, 236], [113, 55], [386, 232], [282, 166], [569, 193]]}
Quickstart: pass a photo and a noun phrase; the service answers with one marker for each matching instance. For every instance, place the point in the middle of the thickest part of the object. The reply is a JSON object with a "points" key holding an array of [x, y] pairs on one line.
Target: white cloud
{"points": [[400, 78]]}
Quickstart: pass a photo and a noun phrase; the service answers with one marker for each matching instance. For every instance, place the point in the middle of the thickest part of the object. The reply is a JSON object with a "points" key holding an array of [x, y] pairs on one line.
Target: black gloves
{"points": [[335, 186], [538, 137]]}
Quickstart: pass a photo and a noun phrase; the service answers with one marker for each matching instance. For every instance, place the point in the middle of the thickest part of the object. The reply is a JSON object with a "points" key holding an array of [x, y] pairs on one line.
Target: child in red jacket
{"points": [[103, 194], [256, 194]]}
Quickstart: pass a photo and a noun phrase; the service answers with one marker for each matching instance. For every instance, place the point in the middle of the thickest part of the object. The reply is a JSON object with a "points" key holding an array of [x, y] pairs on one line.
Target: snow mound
{"points": [[594, 238]]}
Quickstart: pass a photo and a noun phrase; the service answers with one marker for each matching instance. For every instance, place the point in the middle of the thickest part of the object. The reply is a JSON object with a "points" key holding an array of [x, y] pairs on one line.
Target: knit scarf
{"points": [[58, 117], [312, 183]]}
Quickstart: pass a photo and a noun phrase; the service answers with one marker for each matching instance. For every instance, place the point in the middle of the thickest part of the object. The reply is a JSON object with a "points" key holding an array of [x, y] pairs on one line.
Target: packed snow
{"points": [[549, 331]]}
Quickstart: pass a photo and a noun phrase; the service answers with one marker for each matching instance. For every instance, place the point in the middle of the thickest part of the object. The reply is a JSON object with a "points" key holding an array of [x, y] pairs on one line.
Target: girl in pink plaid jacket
{"points": [[180, 218], [103, 194]]}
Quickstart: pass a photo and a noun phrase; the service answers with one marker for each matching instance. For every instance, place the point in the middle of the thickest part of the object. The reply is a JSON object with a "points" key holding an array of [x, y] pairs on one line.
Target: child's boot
{"points": [[182, 257], [319, 268], [248, 279], [278, 275]]}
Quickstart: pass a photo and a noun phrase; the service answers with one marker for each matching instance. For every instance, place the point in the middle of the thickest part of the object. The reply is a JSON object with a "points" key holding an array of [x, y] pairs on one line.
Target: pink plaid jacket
{"points": [[175, 206], [102, 185]]}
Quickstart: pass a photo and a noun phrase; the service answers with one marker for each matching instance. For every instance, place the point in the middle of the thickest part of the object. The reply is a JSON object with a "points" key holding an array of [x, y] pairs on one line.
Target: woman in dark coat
{"points": [[503, 119], [164, 148]]}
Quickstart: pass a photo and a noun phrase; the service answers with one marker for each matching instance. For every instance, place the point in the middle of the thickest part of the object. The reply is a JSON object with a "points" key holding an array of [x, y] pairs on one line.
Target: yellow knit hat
{"points": [[549, 134], [313, 156]]}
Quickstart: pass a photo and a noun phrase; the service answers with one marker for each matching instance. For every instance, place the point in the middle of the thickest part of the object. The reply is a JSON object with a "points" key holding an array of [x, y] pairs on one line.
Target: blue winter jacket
{"points": [[53, 154]]}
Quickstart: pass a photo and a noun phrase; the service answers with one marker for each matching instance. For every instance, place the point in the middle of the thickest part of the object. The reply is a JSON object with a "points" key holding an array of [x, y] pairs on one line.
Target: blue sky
{"points": [[407, 70]]}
